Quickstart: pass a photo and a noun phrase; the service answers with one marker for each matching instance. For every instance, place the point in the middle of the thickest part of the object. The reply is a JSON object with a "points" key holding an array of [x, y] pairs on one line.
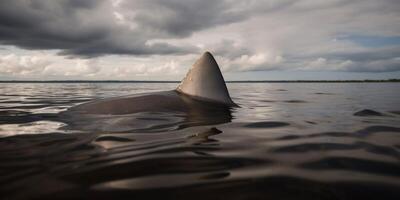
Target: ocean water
{"points": [[285, 141]]}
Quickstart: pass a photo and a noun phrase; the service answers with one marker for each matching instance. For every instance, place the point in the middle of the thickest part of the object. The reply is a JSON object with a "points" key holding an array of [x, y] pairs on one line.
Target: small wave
{"points": [[297, 148], [377, 129], [295, 101], [324, 93], [354, 164], [367, 112], [269, 124], [113, 138]]}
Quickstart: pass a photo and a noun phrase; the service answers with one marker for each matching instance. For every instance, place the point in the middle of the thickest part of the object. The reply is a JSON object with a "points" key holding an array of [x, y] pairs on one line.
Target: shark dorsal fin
{"points": [[205, 81]]}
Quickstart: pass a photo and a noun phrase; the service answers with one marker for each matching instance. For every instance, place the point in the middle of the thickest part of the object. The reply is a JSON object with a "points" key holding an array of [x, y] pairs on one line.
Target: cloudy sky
{"points": [[160, 39]]}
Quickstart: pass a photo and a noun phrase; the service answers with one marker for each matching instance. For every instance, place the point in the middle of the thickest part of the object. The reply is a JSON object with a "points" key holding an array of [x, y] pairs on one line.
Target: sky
{"points": [[161, 39]]}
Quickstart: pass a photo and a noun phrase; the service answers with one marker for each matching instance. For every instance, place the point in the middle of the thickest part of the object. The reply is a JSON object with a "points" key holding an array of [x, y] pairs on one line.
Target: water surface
{"points": [[285, 141]]}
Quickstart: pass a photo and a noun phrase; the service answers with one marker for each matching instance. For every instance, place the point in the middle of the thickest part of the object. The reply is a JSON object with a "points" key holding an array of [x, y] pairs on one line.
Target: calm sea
{"points": [[285, 141]]}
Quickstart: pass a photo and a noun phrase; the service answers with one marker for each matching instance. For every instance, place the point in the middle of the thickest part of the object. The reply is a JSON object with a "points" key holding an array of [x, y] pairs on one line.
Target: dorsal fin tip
{"points": [[207, 53], [205, 81]]}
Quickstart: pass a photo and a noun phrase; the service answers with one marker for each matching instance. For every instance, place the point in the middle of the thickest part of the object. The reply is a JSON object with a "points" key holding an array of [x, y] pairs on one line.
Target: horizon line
{"points": [[169, 81]]}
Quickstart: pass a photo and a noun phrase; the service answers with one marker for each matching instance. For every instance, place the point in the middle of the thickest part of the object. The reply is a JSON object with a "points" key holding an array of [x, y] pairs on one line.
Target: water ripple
{"points": [[286, 141]]}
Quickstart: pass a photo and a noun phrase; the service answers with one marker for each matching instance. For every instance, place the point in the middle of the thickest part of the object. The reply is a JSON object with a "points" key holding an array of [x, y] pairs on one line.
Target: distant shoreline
{"points": [[245, 81]]}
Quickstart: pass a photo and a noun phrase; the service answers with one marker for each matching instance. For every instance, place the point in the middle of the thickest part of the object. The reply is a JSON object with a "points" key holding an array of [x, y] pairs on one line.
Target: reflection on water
{"points": [[145, 112], [285, 141]]}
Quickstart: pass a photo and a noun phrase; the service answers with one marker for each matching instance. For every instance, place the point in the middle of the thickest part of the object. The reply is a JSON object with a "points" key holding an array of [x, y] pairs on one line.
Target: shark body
{"points": [[201, 98]]}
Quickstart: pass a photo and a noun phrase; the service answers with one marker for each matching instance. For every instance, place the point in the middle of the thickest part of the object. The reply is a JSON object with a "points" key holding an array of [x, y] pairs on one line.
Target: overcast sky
{"points": [[160, 39]]}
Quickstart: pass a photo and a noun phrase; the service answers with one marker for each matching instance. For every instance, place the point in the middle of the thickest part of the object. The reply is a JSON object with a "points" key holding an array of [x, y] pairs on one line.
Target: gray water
{"points": [[285, 141]]}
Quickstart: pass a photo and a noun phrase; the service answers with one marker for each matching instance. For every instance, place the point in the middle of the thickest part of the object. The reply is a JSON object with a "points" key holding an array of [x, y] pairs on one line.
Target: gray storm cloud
{"points": [[79, 28], [247, 35], [99, 27]]}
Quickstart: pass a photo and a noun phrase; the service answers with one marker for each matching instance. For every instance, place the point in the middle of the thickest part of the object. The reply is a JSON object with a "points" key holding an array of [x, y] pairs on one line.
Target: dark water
{"points": [[285, 141]]}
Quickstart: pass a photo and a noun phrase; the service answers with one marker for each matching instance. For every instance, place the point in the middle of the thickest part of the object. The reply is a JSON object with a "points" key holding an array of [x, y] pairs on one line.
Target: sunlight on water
{"points": [[39, 127]]}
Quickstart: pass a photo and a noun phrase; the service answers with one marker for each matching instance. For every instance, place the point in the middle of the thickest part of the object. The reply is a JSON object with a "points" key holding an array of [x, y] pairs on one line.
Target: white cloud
{"points": [[253, 62], [140, 70], [14, 65], [46, 64], [298, 33], [84, 68]]}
